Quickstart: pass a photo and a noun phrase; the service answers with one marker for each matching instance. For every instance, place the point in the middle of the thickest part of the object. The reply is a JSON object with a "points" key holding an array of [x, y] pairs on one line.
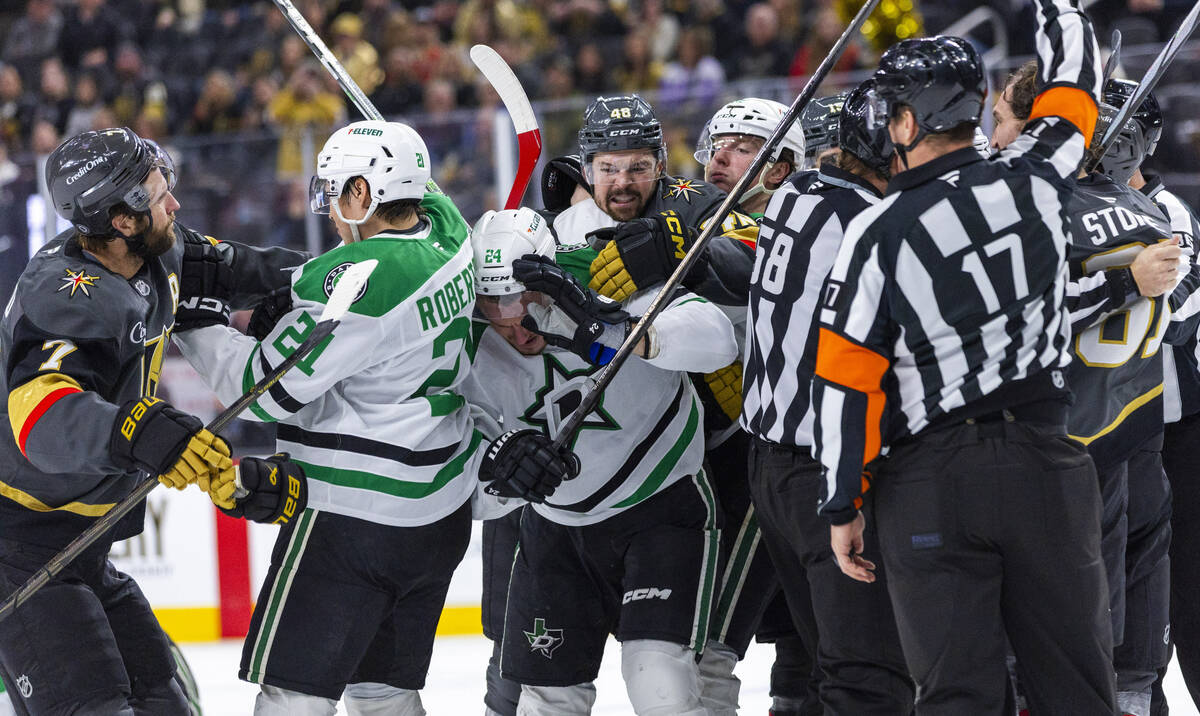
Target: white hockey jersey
{"points": [[374, 415], [647, 431]]}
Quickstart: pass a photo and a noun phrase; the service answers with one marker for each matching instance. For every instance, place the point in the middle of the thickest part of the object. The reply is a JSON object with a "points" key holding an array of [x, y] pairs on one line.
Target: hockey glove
{"points": [[275, 305], [149, 434], [278, 490], [205, 285], [641, 254], [726, 387], [524, 463]]}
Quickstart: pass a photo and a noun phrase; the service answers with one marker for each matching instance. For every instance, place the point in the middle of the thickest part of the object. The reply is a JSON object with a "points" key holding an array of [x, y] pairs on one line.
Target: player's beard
{"points": [[157, 241], [624, 204]]}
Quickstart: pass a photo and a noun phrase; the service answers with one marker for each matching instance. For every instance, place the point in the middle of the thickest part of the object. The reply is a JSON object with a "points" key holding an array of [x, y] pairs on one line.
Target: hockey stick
{"points": [[344, 293], [343, 78], [529, 138], [588, 404], [1155, 73], [1114, 56]]}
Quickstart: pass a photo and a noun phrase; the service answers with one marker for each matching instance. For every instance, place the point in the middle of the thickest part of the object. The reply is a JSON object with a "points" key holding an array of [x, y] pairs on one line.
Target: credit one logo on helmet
{"points": [[92, 164], [367, 131]]}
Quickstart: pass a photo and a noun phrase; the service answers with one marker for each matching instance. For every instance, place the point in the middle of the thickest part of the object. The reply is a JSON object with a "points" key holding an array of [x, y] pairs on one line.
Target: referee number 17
{"points": [[973, 264]]}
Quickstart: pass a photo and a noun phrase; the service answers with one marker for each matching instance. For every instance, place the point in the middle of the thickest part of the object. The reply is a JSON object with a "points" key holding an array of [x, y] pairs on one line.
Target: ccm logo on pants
{"points": [[646, 593]]}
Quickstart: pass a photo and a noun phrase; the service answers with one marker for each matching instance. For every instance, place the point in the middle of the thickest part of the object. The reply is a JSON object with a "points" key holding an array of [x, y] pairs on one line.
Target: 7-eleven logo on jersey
{"points": [[544, 640]]}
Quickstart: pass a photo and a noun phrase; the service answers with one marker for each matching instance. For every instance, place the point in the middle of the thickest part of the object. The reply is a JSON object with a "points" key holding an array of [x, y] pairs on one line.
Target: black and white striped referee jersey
{"points": [[946, 299], [798, 239]]}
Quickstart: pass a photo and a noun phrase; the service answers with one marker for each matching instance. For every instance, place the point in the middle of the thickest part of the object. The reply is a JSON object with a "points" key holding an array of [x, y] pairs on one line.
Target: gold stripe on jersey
{"points": [[30, 502], [1125, 413], [25, 400]]}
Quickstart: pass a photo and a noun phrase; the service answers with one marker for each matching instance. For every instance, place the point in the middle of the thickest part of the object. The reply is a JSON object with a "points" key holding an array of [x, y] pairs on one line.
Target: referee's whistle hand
{"points": [[847, 543]]}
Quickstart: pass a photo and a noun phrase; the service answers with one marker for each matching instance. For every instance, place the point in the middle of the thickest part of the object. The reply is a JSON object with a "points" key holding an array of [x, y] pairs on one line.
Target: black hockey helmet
{"points": [[614, 124], [1125, 154], [820, 120], [559, 179], [940, 78], [1148, 115], [870, 144], [92, 172]]}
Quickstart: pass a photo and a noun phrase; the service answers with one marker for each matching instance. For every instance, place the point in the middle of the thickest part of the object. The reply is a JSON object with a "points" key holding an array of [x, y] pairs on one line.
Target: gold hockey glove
{"points": [[277, 487], [726, 387], [641, 254], [150, 434]]}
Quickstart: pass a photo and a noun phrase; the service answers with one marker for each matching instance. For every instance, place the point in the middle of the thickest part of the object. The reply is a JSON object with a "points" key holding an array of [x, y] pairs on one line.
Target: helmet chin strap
{"points": [[902, 150], [355, 223]]}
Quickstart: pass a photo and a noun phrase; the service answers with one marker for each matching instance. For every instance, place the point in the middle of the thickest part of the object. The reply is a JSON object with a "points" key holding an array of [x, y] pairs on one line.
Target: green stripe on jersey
{"points": [[390, 485], [279, 592], [578, 260], [708, 569], [663, 469], [248, 383]]}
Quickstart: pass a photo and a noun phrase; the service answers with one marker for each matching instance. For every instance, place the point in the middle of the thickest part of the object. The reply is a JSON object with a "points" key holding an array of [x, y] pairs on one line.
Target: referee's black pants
{"points": [[990, 535], [857, 647]]}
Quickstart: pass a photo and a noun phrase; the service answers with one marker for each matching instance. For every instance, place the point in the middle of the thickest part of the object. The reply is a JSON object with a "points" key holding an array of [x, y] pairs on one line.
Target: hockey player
{"points": [[821, 124], [83, 338], [858, 650], [1181, 384], [629, 546], [376, 419], [1118, 409], [944, 335], [748, 590]]}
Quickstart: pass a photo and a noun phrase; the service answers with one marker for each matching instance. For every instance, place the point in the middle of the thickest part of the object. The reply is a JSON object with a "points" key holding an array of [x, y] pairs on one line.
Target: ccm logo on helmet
{"points": [[624, 132], [92, 164]]}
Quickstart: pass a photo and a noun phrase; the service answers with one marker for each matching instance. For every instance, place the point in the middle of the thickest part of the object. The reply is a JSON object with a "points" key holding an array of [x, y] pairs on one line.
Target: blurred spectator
{"points": [[824, 31], [44, 138], [591, 75], [557, 82], [90, 35], [638, 69], [360, 59], [257, 114], [482, 21], [578, 21], [131, 85], [696, 76], [16, 108], [54, 95], [88, 103], [662, 29], [33, 37], [762, 54], [399, 93], [303, 105], [217, 109]]}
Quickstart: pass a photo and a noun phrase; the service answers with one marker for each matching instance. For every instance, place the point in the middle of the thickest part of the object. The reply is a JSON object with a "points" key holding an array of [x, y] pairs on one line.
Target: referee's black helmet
{"points": [[819, 120], [870, 144], [940, 78]]}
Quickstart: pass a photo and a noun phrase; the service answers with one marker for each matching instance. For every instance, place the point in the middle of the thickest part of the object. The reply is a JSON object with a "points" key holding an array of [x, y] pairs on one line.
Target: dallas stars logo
{"points": [[544, 640], [78, 280], [560, 394], [681, 189]]}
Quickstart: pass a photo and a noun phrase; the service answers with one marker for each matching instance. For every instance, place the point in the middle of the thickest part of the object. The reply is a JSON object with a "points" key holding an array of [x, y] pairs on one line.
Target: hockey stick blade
{"points": [[339, 73], [592, 398], [529, 138], [1114, 56], [1155, 73], [344, 294]]}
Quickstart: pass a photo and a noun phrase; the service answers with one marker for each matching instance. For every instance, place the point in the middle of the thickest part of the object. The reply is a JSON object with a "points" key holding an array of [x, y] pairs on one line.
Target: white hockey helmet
{"points": [[754, 117], [390, 156], [501, 237]]}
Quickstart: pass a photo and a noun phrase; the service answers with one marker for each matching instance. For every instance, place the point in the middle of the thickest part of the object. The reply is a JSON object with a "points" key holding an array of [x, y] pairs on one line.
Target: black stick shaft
{"points": [[101, 526], [592, 398]]}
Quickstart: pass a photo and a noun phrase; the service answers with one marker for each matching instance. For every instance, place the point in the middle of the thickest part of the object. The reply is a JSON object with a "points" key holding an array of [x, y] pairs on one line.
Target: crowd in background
{"points": [[234, 90]]}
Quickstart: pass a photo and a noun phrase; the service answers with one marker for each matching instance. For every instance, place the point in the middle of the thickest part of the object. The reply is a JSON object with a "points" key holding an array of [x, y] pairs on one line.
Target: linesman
{"points": [[944, 335]]}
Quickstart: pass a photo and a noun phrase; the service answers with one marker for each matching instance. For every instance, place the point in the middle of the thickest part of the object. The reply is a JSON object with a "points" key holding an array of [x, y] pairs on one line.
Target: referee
{"points": [[943, 335], [857, 648]]}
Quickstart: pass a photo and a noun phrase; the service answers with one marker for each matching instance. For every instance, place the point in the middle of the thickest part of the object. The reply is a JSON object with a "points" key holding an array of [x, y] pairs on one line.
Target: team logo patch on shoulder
{"points": [[78, 281], [681, 189], [141, 287], [335, 273]]}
